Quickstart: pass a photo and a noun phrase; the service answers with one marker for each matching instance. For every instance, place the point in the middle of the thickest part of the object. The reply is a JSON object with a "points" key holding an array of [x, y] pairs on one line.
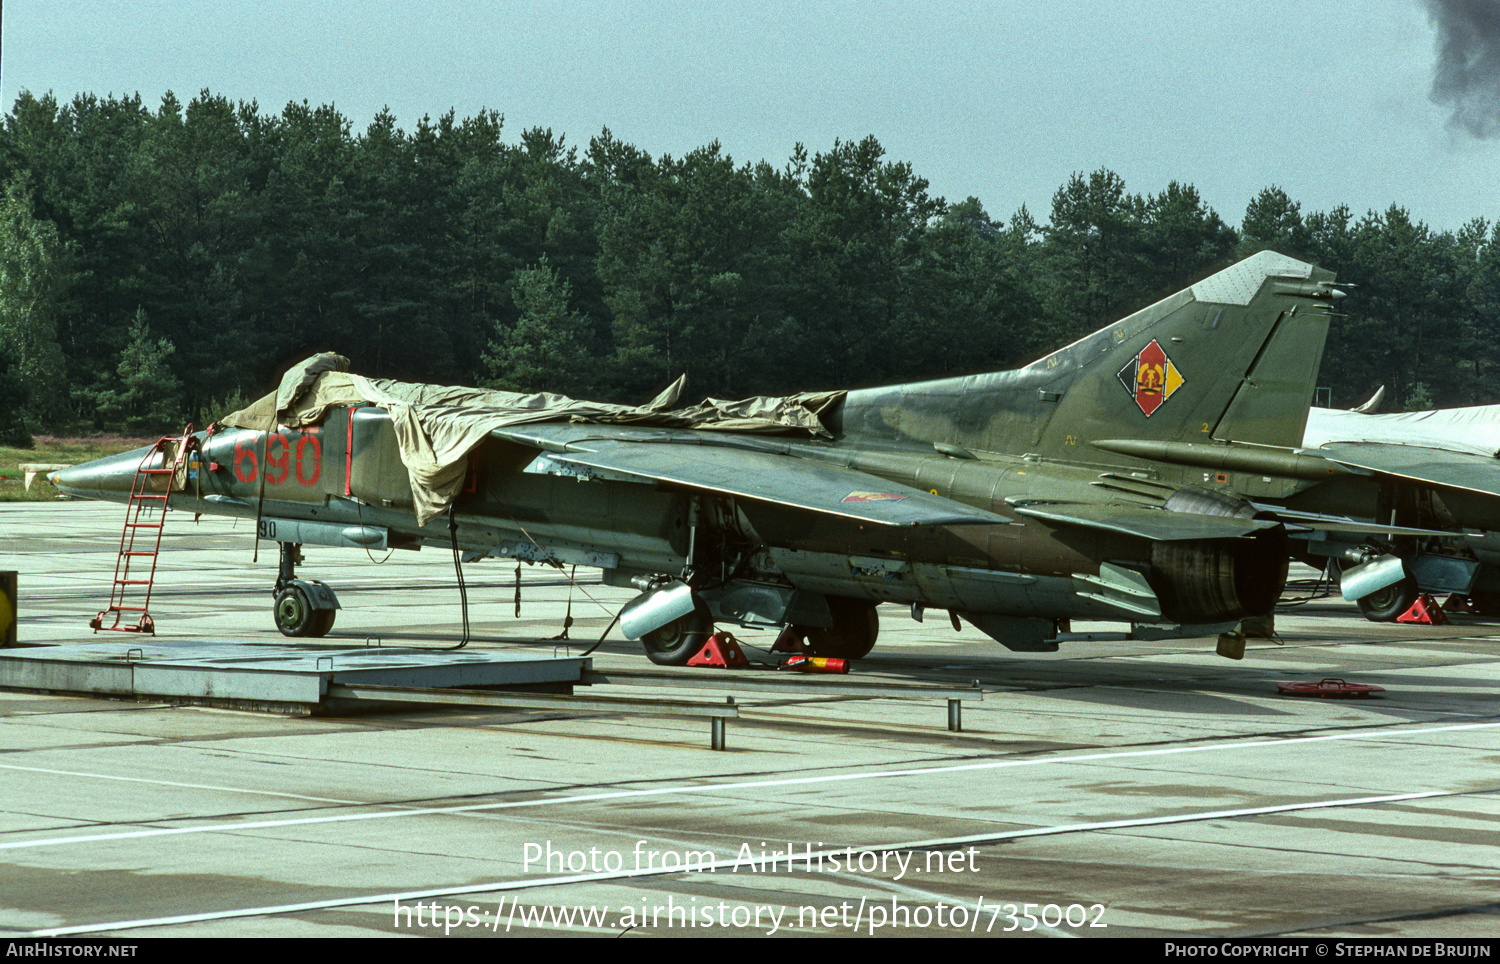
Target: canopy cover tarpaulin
{"points": [[437, 426]]}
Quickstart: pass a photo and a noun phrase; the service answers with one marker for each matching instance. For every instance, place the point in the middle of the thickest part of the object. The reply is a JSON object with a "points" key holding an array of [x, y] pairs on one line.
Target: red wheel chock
{"points": [[722, 651], [1457, 603], [1424, 610], [790, 641]]}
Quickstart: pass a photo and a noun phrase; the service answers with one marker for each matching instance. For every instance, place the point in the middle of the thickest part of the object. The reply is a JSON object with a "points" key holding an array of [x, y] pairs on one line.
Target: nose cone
{"points": [[109, 478]]}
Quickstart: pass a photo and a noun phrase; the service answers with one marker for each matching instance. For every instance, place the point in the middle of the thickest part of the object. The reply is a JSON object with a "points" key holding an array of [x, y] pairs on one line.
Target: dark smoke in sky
{"points": [[1467, 77]]}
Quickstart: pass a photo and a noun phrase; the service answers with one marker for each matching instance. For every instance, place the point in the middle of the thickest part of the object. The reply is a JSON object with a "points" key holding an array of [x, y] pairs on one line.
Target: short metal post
{"points": [[955, 716], [8, 608], [717, 740]]}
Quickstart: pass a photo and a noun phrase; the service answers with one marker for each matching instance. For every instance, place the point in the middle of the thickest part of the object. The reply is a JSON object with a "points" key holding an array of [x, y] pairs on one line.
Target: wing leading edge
{"points": [[1460, 470]]}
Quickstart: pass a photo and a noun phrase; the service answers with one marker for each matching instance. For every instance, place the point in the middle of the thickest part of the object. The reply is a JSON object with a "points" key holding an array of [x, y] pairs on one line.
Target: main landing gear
{"points": [[304, 607], [679, 641], [1383, 606], [852, 635], [680, 625]]}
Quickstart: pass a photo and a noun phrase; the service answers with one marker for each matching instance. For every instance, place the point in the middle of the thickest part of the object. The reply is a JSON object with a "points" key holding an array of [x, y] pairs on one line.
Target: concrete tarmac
{"points": [[1115, 788]]}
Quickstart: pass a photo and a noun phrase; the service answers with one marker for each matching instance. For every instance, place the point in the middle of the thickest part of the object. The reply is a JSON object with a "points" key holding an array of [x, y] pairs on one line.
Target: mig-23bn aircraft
{"points": [[1014, 500], [1433, 469]]}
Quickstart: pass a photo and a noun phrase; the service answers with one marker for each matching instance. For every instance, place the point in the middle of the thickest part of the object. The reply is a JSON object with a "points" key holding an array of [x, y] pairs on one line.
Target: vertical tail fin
{"points": [[1232, 357]]}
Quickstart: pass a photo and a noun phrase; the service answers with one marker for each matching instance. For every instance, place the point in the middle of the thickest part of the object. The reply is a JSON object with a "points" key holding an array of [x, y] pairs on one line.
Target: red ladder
{"points": [[148, 497]]}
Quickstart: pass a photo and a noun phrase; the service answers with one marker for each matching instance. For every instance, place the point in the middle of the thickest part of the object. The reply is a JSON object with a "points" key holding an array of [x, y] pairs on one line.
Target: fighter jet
{"points": [[1014, 500], [1433, 469]]}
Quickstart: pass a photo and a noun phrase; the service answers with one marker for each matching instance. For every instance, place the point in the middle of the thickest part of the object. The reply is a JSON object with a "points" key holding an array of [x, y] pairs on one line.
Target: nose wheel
{"points": [[303, 608], [295, 615]]}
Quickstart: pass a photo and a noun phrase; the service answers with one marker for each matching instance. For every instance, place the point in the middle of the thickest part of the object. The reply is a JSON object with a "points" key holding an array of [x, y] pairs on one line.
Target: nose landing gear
{"points": [[304, 608]]}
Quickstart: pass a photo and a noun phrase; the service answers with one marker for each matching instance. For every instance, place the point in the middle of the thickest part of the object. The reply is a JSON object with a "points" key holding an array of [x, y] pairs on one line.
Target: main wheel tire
{"points": [[852, 635], [1384, 606], [678, 641], [294, 613]]}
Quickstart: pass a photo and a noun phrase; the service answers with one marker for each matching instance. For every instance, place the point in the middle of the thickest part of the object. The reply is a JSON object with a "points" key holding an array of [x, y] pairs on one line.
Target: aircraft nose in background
{"points": [[109, 478]]}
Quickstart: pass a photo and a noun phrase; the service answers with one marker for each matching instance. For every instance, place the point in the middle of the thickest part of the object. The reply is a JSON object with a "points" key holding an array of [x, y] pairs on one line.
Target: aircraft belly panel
{"points": [[840, 574], [977, 590], [1018, 594], [954, 587], [630, 551]]}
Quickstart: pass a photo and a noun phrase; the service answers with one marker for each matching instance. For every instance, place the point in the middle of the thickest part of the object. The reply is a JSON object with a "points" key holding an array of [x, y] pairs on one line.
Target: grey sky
{"points": [[1000, 100]]}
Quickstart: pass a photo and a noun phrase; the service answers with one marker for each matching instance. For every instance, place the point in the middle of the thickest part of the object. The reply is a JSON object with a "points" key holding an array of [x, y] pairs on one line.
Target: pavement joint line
{"points": [[936, 843], [709, 788], [1436, 914], [186, 786]]}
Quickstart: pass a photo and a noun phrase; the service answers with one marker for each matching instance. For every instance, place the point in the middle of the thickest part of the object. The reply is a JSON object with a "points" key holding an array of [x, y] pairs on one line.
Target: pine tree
{"points": [[33, 277], [13, 393], [148, 396], [548, 347]]}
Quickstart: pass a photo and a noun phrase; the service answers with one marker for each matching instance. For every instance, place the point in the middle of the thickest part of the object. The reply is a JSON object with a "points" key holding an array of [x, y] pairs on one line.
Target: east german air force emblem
{"points": [[1151, 378]]}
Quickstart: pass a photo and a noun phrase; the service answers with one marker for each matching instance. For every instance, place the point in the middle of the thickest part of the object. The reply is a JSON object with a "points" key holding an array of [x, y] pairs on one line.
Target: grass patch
{"points": [[57, 450]]}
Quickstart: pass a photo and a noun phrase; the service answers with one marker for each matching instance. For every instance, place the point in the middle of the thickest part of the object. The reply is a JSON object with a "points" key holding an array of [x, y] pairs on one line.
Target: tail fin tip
{"points": [[1239, 283]]}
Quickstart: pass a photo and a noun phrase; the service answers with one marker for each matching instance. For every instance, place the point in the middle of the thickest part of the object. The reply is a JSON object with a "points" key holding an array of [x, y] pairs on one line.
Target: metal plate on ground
{"points": [[1328, 687], [206, 669]]}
